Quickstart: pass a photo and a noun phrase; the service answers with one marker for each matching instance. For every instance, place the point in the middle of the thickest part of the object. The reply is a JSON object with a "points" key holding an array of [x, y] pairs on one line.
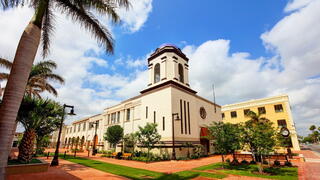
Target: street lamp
{"points": [[94, 151], [173, 143], [55, 160]]}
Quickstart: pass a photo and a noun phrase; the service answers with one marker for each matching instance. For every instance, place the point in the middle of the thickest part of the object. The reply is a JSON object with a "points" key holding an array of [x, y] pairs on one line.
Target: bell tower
{"points": [[168, 63]]}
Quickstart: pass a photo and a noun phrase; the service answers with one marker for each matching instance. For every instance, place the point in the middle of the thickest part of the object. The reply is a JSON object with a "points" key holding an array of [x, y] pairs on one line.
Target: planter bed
{"points": [[15, 168]]}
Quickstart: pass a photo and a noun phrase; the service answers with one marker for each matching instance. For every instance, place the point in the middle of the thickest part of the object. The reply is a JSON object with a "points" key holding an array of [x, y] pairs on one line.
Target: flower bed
{"points": [[35, 167]]}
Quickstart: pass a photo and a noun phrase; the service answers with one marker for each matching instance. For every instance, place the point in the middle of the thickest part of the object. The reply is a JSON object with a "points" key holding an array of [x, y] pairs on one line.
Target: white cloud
{"points": [[137, 15], [296, 4]]}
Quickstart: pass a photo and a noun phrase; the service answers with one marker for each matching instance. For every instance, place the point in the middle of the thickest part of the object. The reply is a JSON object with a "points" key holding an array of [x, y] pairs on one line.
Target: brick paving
{"points": [[67, 171], [309, 170]]}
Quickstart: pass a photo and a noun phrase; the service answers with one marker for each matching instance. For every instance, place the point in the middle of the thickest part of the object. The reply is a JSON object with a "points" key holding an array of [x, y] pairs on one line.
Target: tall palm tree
{"points": [[40, 75], [39, 29], [35, 115]]}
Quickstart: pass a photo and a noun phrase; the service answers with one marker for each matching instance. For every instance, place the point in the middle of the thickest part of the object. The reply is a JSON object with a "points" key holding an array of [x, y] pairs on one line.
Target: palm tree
{"points": [[39, 29], [40, 75], [36, 115], [312, 128]]}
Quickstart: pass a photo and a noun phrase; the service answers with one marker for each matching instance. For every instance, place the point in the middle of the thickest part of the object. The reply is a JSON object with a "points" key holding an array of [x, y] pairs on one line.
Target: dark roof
{"points": [[167, 48]]}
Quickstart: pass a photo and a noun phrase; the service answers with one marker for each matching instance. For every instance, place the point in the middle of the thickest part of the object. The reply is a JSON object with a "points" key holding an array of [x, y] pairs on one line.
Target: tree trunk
{"points": [[26, 146], [15, 89]]}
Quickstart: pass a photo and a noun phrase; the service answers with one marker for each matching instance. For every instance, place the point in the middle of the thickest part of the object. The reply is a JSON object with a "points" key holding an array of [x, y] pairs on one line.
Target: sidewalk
{"points": [[309, 170], [67, 171]]}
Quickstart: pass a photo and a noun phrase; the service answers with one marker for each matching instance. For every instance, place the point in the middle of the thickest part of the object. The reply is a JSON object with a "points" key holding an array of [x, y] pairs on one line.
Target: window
{"points": [[163, 123], [108, 118], [261, 110], [223, 115], [128, 114], [113, 118], [157, 73], [74, 128], [118, 117], [154, 117], [246, 111], [84, 126], [79, 127], [97, 124], [181, 76], [70, 130], [278, 108], [146, 112], [233, 114], [282, 123]]}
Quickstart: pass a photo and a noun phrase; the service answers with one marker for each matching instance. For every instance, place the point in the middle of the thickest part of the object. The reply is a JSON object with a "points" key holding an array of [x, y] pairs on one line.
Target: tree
{"points": [[35, 114], [226, 138], [39, 79], [148, 136], [312, 128], [114, 134], [260, 135], [130, 140], [39, 29]]}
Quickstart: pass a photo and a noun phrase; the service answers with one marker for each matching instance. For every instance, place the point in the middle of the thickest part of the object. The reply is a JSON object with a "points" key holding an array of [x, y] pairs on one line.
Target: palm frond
{"points": [[11, 3], [53, 77], [51, 89], [5, 63], [46, 64], [89, 22], [4, 76], [47, 30]]}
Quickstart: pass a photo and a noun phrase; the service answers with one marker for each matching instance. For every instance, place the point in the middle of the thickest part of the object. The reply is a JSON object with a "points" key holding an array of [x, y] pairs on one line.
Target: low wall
{"points": [[27, 168]]}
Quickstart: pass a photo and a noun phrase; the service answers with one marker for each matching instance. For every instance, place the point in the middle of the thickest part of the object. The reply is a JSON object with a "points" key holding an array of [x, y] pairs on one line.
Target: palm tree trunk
{"points": [[15, 89], [26, 146]]}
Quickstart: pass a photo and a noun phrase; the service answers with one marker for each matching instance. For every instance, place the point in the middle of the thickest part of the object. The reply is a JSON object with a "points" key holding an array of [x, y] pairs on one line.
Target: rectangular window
{"points": [[262, 110], [79, 127], [181, 120], [113, 118], [97, 124], [74, 128], [278, 108], [163, 123], [245, 112], [84, 126], [146, 112], [282, 123], [128, 114], [233, 114], [222, 115], [185, 117], [108, 118], [189, 118], [118, 117], [154, 117]]}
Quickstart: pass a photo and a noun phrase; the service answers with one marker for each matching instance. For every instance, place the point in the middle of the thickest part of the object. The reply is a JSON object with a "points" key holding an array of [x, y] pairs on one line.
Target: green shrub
{"points": [[228, 160], [253, 162], [265, 162], [165, 157], [182, 158], [244, 162], [276, 163], [288, 163]]}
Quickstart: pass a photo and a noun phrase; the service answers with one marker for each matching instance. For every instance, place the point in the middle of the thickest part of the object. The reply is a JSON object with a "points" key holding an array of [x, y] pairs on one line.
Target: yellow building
{"points": [[276, 109]]}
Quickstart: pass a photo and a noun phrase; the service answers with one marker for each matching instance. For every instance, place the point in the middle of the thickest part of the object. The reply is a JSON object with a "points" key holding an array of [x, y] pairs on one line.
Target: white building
{"points": [[168, 92]]}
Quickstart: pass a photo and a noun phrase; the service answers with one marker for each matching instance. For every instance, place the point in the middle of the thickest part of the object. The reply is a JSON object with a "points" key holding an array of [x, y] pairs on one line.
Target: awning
{"points": [[204, 132]]}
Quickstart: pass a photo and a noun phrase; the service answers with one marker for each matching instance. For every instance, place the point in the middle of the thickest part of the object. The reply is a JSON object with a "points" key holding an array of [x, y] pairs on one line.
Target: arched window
{"points": [[157, 73], [181, 77]]}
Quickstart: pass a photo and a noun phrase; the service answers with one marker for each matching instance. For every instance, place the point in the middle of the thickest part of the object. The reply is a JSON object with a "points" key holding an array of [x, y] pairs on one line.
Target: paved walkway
{"points": [[67, 171], [163, 166], [309, 170]]}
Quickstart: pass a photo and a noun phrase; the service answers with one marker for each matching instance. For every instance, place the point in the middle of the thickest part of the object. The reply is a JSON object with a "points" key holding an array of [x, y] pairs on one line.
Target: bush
{"points": [[244, 162], [165, 157], [253, 162], [235, 162], [119, 155], [194, 156], [288, 163], [228, 160], [276, 163], [265, 162], [182, 158]]}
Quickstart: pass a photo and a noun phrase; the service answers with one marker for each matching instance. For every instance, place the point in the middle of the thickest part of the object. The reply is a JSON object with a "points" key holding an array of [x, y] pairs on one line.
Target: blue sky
{"points": [[248, 48], [180, 22]]}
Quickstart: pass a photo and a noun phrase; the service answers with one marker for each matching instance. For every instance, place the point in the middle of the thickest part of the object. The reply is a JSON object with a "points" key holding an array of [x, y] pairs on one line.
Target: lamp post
{"points": [[94, 151], [286, 134], [173, 143], [55, 160]]}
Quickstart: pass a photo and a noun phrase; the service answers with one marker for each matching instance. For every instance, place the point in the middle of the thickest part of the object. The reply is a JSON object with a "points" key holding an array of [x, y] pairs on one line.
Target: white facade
{"points": [[168, 92]]}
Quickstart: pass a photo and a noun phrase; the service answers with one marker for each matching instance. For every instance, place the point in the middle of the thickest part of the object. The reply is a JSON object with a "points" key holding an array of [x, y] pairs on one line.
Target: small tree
{"points": [[148, 136], [260, 136], [226, 138], [130, 140], [312, 128], [114, 134]]}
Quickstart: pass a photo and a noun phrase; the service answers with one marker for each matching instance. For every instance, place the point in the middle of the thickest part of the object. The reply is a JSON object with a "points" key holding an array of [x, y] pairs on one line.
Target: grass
{"points": [[17, 162], [137, 174], [282, 173]]}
